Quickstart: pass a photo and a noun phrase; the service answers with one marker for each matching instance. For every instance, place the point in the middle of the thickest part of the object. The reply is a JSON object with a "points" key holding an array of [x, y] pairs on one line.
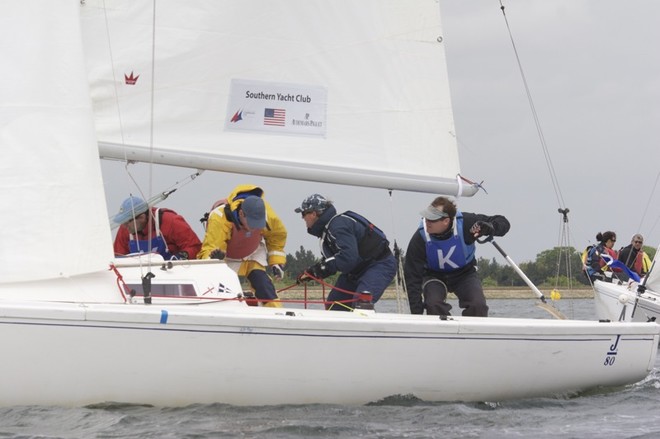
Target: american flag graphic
{"points": [[274, 116]]}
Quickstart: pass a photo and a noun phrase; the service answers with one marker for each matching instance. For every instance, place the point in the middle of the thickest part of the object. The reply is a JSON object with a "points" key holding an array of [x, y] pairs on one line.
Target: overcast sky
{"points": [[593, 70]]}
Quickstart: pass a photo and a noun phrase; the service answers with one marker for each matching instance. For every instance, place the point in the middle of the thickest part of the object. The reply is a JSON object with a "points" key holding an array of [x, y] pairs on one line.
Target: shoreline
{"points": [[314, 293]]}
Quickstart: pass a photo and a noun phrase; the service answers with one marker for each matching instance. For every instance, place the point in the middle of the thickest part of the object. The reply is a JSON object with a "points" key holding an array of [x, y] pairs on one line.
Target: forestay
{"points": [[344, 91]]}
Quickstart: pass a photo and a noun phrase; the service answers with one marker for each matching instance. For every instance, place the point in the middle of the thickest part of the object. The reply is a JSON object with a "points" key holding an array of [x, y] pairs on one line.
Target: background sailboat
{"points": [[630, 300]]}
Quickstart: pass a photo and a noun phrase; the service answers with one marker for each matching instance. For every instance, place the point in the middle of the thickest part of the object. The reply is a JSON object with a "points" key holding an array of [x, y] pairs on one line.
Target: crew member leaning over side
{"points": [[145, 229], [352, 246], [246, 232]]}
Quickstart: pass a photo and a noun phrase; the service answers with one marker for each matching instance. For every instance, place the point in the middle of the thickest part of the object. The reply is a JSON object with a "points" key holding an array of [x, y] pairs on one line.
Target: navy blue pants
{"points": [[263, 286], [467, 288], [375, 279]]}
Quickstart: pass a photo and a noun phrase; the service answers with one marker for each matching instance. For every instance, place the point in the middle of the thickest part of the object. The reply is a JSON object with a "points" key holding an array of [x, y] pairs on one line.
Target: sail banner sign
{"points": [[290, 109]]}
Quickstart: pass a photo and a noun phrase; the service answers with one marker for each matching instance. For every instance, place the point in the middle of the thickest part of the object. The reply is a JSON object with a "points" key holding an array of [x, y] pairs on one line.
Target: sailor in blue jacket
{"points": [[440, 259], [353, 246]]}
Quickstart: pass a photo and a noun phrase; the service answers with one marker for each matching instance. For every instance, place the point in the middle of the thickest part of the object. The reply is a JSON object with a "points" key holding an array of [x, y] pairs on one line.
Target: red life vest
{"points": [[242, 242]]}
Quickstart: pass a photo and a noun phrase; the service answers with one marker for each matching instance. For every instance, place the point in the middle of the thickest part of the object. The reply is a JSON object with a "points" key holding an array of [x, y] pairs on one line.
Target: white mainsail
{"points": [[54, 222], [349, 92]]}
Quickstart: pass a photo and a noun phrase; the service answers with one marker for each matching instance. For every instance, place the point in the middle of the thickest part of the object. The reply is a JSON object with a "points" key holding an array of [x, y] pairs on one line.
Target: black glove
{"points": [[183, 255], [318, 270], [217, 254], [482, 228], [302, 277]]}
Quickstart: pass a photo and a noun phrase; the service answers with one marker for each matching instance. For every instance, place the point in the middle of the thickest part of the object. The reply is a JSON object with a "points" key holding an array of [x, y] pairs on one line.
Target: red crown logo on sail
{"points": [[131, 80]]}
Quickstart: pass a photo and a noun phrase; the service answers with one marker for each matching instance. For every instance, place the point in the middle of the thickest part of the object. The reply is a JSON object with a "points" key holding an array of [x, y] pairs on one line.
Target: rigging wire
{"points": [[537, 123], [114, 72], [151, 109], [400, 292], [564, 235], [648, 203], [153, 200]]}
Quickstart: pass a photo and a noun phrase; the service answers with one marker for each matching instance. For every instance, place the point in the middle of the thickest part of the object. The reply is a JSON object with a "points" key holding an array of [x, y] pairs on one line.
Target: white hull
{"points": [[173, 354], [621, 302]]}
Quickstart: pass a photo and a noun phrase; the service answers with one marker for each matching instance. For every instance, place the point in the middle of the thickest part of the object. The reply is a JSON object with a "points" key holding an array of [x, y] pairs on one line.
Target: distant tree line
{"points": [[558, 267], [297, 262]]}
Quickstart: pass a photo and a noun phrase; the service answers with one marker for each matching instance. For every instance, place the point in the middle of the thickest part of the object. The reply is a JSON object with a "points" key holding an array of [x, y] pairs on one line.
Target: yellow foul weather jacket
{"points": [[223, 231]]}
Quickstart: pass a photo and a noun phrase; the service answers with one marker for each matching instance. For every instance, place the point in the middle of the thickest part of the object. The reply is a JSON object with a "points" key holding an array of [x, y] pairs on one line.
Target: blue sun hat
{"points": [[255, 212], [130, 208], [315, 202]]}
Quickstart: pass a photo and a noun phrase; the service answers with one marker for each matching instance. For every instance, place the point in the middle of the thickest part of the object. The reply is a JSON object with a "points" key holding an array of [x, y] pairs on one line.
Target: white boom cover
{"points": [[343, 91]]}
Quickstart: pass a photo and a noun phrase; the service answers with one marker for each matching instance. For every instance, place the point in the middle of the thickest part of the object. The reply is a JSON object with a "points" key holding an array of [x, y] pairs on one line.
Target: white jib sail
{"points": [[343, 91], [53, 210]]}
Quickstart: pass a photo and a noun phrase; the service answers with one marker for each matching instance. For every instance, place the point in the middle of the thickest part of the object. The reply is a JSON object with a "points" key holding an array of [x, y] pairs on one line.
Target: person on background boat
{"points": [[441, 259], [352, 246], [245, 231], [160, 230], [634, 256], [594, 264]]}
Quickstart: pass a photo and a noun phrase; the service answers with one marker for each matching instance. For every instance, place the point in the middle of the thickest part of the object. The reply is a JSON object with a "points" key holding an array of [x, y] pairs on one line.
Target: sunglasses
{"points": [[305, 213], [130, 221], [639, 242]]}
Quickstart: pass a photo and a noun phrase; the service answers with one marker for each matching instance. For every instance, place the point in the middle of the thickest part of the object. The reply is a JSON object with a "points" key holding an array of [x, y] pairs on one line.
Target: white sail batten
{"points": [[53, 212], [342, 92]]}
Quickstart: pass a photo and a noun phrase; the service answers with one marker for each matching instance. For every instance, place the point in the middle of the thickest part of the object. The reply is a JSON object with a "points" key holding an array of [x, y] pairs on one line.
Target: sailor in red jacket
{"points": [[145, 229]]}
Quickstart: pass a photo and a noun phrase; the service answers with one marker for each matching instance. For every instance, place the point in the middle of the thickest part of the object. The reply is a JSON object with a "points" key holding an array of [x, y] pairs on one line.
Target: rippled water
{"points": [[627, 412]]}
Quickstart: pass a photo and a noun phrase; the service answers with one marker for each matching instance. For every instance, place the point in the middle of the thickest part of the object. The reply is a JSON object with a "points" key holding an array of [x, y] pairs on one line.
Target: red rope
{"points": [[253, 301], [323, 284], [120, 282]]}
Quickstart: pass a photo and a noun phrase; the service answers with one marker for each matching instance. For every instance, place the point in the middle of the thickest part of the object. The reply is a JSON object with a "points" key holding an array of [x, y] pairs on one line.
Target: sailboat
{"points": [[636, 300], [351, 92]]}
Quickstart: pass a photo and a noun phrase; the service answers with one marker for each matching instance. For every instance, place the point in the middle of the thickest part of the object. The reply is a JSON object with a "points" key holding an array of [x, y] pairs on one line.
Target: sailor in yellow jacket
{"points": [[248, 234]]}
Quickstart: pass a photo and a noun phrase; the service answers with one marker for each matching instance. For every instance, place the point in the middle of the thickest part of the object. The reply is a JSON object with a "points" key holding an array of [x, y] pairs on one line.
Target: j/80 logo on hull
{"points": [[612, 351]]}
